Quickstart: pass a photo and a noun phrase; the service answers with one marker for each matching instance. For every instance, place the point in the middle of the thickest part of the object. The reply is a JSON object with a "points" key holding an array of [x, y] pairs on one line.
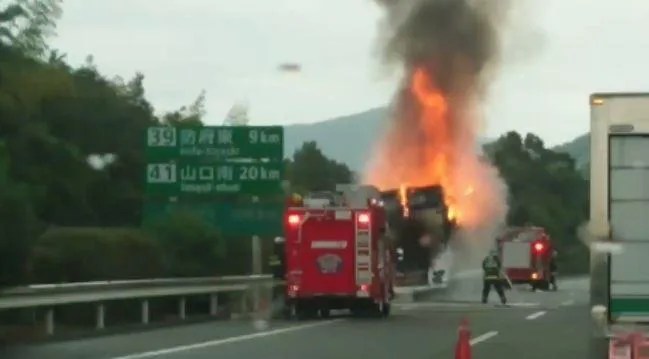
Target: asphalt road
{"points": [[536, 325]]}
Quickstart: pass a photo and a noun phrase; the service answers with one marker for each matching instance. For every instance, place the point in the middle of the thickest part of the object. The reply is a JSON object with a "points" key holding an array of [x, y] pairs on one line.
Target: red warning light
{"points": [[364, 218], [538, 247], [293, 219]]}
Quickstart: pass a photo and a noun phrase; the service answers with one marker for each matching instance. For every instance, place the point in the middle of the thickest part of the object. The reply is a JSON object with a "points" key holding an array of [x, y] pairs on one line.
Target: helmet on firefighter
{"points": [[295, 199]]}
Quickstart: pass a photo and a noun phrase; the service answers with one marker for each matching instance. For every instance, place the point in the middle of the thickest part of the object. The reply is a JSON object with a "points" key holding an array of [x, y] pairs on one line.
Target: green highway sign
{"points": [[241, 219], [187, 178], [215, 143], [250, 219]]}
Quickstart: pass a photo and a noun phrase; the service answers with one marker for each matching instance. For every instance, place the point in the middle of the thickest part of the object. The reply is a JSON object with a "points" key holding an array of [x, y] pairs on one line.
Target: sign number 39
{"points": [[161, 137]]}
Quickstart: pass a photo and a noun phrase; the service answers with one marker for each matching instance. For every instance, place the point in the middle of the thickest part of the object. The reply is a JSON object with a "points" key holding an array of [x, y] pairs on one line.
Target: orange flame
{"points": [[433, 143], [450, 214], [403, 199]]}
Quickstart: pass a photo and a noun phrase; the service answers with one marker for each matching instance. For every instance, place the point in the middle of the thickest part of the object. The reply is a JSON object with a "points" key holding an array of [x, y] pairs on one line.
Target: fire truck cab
{"points": [[526, 253], [337, 254]]}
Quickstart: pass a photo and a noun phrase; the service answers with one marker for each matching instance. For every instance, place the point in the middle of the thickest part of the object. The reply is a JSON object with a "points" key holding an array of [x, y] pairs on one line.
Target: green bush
{"points": [[574, 259], [18, 225], [191, 246], [87, 254]]}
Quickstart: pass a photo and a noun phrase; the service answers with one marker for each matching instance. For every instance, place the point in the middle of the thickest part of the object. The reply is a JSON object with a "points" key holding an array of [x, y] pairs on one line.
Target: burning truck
{"points": [[428, 163], [419, 222]]}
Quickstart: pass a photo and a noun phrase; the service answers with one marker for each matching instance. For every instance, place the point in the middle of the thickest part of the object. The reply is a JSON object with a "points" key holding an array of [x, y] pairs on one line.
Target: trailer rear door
{"points": [[629, 218]]}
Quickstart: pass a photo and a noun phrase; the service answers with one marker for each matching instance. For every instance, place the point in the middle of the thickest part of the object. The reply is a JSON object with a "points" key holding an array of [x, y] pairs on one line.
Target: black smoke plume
{"points": [[453, 39]]}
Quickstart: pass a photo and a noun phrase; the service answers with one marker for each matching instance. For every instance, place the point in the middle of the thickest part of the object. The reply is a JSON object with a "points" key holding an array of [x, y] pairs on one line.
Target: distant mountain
{"points": [[348, 139], [579, 149]]}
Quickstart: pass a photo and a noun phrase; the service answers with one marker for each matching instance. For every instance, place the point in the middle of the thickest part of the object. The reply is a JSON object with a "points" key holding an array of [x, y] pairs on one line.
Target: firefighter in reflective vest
{"points": [[492, 277], [553, 270], [276, 260]]}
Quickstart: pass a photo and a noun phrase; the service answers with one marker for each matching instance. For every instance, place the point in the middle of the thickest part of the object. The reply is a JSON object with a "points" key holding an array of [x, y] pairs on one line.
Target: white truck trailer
{"points": [[619, 215]]}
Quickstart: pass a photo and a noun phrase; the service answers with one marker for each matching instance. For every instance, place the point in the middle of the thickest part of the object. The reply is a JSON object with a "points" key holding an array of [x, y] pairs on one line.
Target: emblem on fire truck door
{"points": [[329, 263]]}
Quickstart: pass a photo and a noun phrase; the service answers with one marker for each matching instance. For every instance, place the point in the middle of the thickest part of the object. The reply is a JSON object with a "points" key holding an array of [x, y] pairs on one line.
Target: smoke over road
{"points": [[448, 50]]}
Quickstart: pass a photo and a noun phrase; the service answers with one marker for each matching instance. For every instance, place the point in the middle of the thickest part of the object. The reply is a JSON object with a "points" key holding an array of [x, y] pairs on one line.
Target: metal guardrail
{"points": [[51, 295]]}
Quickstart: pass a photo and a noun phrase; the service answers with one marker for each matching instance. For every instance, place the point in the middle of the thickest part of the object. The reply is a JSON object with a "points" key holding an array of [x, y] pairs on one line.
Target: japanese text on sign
{"points": [[211, 178], [222, 142]]}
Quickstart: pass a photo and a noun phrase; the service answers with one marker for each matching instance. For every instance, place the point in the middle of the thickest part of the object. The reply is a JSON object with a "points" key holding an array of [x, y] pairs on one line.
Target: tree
{"points": [[10, 14], [26, 24], [545, 189], [55, 122], [18, 226], [311, 170], [187, 115]]}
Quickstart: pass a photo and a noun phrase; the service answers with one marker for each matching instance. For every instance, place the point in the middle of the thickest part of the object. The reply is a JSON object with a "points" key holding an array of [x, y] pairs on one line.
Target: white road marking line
{"points": [[536, 315], [472, 273], [483, 337], [460, 304], [568, 303], [217, 342], [523, 304]]}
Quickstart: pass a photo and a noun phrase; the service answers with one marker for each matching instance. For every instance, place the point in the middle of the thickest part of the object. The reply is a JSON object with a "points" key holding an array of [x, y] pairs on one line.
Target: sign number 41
{"points": [[161, 137], [161, 173]]}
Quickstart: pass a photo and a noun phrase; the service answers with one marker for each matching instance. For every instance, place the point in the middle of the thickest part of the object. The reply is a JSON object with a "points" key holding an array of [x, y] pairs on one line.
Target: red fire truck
{"points": [[525, 253], [337, 255]]}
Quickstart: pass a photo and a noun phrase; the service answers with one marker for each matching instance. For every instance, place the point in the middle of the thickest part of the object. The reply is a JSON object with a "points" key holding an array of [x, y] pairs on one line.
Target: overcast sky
{"points": [[557, 52]]}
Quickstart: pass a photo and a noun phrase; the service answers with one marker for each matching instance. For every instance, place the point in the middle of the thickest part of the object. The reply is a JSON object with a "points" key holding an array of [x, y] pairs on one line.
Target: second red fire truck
{"points": [[526, 253]]}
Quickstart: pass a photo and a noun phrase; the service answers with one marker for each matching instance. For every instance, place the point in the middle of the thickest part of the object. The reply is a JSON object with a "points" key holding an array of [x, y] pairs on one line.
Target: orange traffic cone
{"points": [[463, 346]]}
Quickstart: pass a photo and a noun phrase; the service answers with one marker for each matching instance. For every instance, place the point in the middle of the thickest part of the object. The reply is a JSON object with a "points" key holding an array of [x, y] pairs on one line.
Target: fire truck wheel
{"points": [[361, 310], [325, 312], [286, 313], [307, 312], [298, 311], [292, 311], [386, 310]]}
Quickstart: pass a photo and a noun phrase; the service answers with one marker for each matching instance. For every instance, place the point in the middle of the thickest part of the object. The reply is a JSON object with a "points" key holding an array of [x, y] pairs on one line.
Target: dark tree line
{"points": [[71, 155]]}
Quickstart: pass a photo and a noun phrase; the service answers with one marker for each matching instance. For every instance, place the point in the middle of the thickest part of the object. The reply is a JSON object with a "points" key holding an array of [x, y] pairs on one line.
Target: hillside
{"points": [[349, 139], [579, 149], [346, 139]]}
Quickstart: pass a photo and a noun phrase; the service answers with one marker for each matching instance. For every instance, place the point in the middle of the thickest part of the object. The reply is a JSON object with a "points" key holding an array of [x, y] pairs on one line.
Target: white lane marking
{"points": [[422, 305], [535, 315], [523, 304], [472, 273], [217, 342], [406, 307], [483, 337], [568, 303]]}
